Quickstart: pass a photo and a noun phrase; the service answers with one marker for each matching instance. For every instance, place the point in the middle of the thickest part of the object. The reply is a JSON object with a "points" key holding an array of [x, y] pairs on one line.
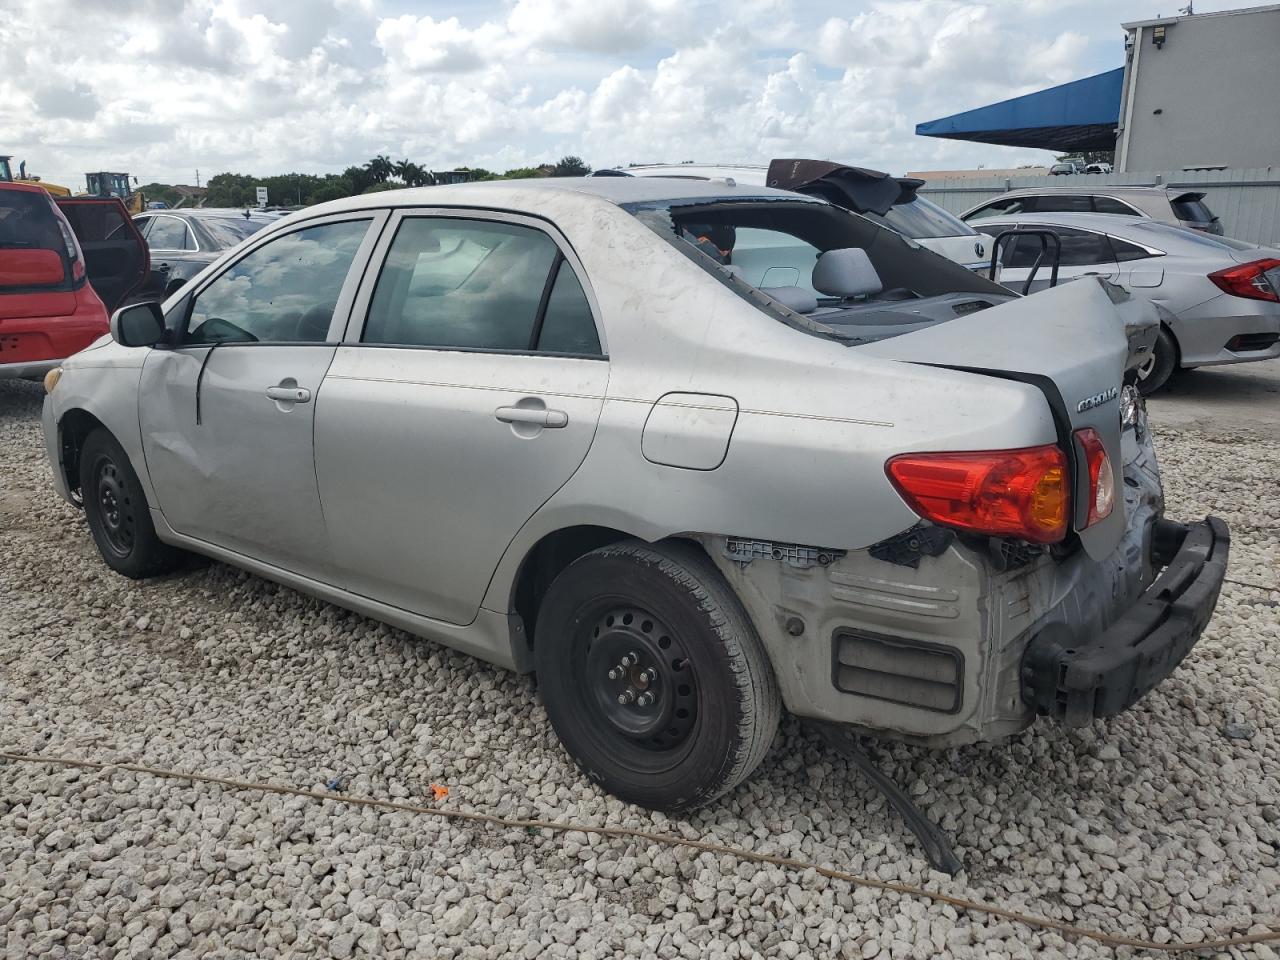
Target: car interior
{"points": [[832, 267]]}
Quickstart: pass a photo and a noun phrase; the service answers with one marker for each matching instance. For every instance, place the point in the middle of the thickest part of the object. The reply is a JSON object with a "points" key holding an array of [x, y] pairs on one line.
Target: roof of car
{"points": [[1103, 189], [213, 213], [23, 187], [618, 190], [1099, 222]]}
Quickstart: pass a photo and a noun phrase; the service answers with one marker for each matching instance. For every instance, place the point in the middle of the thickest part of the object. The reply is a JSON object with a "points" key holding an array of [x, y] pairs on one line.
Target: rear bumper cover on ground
{"points": [[1075, 680]]}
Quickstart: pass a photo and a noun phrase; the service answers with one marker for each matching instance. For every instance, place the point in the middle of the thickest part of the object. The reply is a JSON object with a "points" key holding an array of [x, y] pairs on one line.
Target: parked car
{"points": [[184, 242], [1181, 208], [1219, 298], [1097, 168], [60, 274], [1067, 169], [545, 423], [890, 201]]}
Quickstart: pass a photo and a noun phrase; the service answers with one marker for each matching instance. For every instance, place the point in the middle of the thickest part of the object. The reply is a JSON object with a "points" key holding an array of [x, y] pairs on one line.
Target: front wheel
{"points": [[1160, 366], [116, 509], [653, 676]]}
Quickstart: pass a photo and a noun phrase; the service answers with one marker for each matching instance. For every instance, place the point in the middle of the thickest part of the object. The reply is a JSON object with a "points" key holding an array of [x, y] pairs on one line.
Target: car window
{"points": [[168, 233], [1003, 205], [473, 284], [143, 224], [284, 291], [771, 258], [1064, 203], [922, 219], [1125, 251], [1114, 206], [1080, 248], [229, 231], [567, 326]]}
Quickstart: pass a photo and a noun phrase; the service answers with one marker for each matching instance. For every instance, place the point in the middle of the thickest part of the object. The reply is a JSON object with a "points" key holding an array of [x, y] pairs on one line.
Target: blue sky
{"points": [[262, 86]]}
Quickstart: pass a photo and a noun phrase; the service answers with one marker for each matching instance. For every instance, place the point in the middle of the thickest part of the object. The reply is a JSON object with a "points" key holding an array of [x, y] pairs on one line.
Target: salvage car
{"points": [[64, 265], [541, 423], [1219, 298], [1174, 206], [184, 242], [890, 201]]}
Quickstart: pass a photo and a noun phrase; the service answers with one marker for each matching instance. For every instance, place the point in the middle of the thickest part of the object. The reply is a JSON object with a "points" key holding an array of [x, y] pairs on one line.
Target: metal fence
{"points": [[1248, 201]]}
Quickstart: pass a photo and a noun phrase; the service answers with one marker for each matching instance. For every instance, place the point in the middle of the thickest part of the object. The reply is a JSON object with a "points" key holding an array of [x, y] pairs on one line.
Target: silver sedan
{"points": [[1219, 298], [551, 424]]}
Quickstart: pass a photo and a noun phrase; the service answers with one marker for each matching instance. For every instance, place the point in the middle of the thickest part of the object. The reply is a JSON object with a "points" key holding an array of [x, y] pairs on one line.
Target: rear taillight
{"points": [[1102, 478], [1005, 493], [1256, 280]]}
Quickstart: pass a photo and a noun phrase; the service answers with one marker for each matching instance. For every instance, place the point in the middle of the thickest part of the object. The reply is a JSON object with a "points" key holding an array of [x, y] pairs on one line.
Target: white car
{"points": [[904, 211]]}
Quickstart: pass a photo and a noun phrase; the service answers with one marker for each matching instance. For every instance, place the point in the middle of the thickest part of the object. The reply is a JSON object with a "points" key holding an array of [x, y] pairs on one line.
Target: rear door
{"points": [[466, 394], [115, 255], [174, 245], [1084, 254]]}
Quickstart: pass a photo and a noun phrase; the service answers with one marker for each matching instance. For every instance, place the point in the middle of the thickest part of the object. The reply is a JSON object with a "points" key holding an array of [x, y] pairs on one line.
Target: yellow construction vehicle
{"points": [[6, 176], [104, 184]]}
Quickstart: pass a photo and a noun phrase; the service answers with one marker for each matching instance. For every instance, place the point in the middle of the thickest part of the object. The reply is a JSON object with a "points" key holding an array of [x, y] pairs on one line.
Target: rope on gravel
{"points": [[670, 840], [1255, 586]]}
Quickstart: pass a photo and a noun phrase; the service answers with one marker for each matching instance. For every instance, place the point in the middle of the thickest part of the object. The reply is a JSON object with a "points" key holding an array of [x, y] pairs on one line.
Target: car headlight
{"points": [[51, 379]]}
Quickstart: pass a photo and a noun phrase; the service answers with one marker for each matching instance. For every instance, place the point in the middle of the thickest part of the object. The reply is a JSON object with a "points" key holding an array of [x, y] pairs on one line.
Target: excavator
{"points": [[6, 176], [105, 184]]}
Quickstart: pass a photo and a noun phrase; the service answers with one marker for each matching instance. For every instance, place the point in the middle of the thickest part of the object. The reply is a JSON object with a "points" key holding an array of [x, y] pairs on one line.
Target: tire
{"points": [[715, 705], [117, 511], [1162, 366]]}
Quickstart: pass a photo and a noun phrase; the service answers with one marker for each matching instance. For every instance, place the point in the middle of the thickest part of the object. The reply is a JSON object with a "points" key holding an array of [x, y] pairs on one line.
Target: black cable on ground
{"points": [[671, 840]]}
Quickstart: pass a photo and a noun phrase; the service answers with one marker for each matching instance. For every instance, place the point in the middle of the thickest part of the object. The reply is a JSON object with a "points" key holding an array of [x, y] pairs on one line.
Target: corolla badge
{"points": [[1098, 399]]}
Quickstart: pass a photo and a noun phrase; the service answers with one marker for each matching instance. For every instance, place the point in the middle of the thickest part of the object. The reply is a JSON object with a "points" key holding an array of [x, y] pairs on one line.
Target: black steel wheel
{"points": [[653, 676], [117, 511]]}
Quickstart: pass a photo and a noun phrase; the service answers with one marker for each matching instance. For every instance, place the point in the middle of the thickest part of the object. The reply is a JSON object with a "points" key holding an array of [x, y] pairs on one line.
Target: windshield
{"points": [[228, 231], [1205, 240], [923, 219]]}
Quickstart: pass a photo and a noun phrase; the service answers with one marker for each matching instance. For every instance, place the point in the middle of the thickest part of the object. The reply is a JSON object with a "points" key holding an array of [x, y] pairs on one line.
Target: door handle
{"points": [[551, 419], [289, 394]]}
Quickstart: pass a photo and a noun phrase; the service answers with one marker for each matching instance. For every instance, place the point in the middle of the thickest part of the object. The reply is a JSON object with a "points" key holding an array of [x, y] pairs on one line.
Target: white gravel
{"points": [[1155, 825]]}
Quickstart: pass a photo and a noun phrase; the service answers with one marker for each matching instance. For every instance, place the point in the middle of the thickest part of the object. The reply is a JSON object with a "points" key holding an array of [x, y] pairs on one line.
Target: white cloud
{"points": [[168, 86]]}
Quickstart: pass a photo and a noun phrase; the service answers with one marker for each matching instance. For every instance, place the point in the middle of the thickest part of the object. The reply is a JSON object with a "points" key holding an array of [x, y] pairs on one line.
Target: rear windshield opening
{"points": [[842, 273], [29, 222]]}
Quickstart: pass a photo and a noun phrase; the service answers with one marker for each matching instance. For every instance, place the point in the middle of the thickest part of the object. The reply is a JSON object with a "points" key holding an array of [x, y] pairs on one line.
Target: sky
{"points": [[163, 88]]}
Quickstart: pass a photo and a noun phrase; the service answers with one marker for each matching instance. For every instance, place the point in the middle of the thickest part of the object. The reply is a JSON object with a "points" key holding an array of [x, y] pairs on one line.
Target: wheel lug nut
{"points": [[644, 700], [614, 673], [626, 660], [649, 675], [627, 695]]}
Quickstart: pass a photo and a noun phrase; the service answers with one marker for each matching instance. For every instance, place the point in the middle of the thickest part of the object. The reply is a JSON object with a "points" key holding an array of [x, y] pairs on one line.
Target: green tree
{"points": [[524, 173], [571, 167], [380, 169]]}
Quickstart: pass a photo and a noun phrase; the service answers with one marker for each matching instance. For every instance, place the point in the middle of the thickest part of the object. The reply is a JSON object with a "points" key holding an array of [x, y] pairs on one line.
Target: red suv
{"points": [[64, 266]]}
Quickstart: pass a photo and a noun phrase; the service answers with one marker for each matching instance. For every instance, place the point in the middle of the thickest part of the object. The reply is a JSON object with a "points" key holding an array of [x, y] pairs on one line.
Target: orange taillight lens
{"points": [[1102, 478], [1005, 493]]}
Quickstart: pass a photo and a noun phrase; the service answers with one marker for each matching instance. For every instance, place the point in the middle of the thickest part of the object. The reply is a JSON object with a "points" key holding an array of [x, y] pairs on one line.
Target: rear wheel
{"points": [[1161, 365], [117, 511], [653, 676]]}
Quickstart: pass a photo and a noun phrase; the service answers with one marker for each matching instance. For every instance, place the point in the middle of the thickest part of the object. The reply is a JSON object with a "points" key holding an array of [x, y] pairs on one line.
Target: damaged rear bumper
{"points": [[1075, 680]]}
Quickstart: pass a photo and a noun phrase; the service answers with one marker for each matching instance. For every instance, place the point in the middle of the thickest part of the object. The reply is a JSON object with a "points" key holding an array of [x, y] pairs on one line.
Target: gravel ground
{"points": [[1160, 824]]}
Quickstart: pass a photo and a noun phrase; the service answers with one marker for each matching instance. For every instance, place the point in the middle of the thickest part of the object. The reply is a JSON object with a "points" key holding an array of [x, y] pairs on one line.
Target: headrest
{"points": [[794, 298], [846, 272]]}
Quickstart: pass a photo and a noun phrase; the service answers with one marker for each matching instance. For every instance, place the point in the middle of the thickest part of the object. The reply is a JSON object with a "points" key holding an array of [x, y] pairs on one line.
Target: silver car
{"points": [[1171, 205], [550, 424], [1219, 298]]}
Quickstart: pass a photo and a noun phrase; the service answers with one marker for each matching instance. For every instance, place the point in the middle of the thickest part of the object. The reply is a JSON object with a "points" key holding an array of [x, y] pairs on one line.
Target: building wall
{"points": [[1247, 201], [1216, 85]]}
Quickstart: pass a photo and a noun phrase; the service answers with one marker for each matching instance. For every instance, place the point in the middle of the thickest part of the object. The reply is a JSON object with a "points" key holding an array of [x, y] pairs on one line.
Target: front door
{"points": [[227, 410], [466, 396]]}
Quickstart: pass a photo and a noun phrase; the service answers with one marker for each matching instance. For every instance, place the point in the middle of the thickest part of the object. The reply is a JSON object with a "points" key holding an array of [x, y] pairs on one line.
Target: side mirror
{"points": [[139, 325]]}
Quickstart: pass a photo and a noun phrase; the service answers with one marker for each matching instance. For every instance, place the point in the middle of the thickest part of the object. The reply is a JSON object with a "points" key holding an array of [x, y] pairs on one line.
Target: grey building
{"points": [[1196, 91], [1201, 91]]}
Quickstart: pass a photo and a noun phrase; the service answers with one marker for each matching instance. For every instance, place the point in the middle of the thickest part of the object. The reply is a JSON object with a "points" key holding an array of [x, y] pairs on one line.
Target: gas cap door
{"points": [[689, 430]]}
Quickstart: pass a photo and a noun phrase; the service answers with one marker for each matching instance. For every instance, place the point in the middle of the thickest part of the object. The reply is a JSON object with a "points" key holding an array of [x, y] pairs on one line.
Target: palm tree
{"points": [[380, 168]]}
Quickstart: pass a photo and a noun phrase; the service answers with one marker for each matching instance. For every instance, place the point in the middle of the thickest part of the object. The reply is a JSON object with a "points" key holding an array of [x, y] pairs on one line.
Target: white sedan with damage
{"points": [[551, 425]]}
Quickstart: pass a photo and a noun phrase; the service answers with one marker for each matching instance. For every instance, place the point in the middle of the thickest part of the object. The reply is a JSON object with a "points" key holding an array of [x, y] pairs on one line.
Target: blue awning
{"points": [[1080, 115]]}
